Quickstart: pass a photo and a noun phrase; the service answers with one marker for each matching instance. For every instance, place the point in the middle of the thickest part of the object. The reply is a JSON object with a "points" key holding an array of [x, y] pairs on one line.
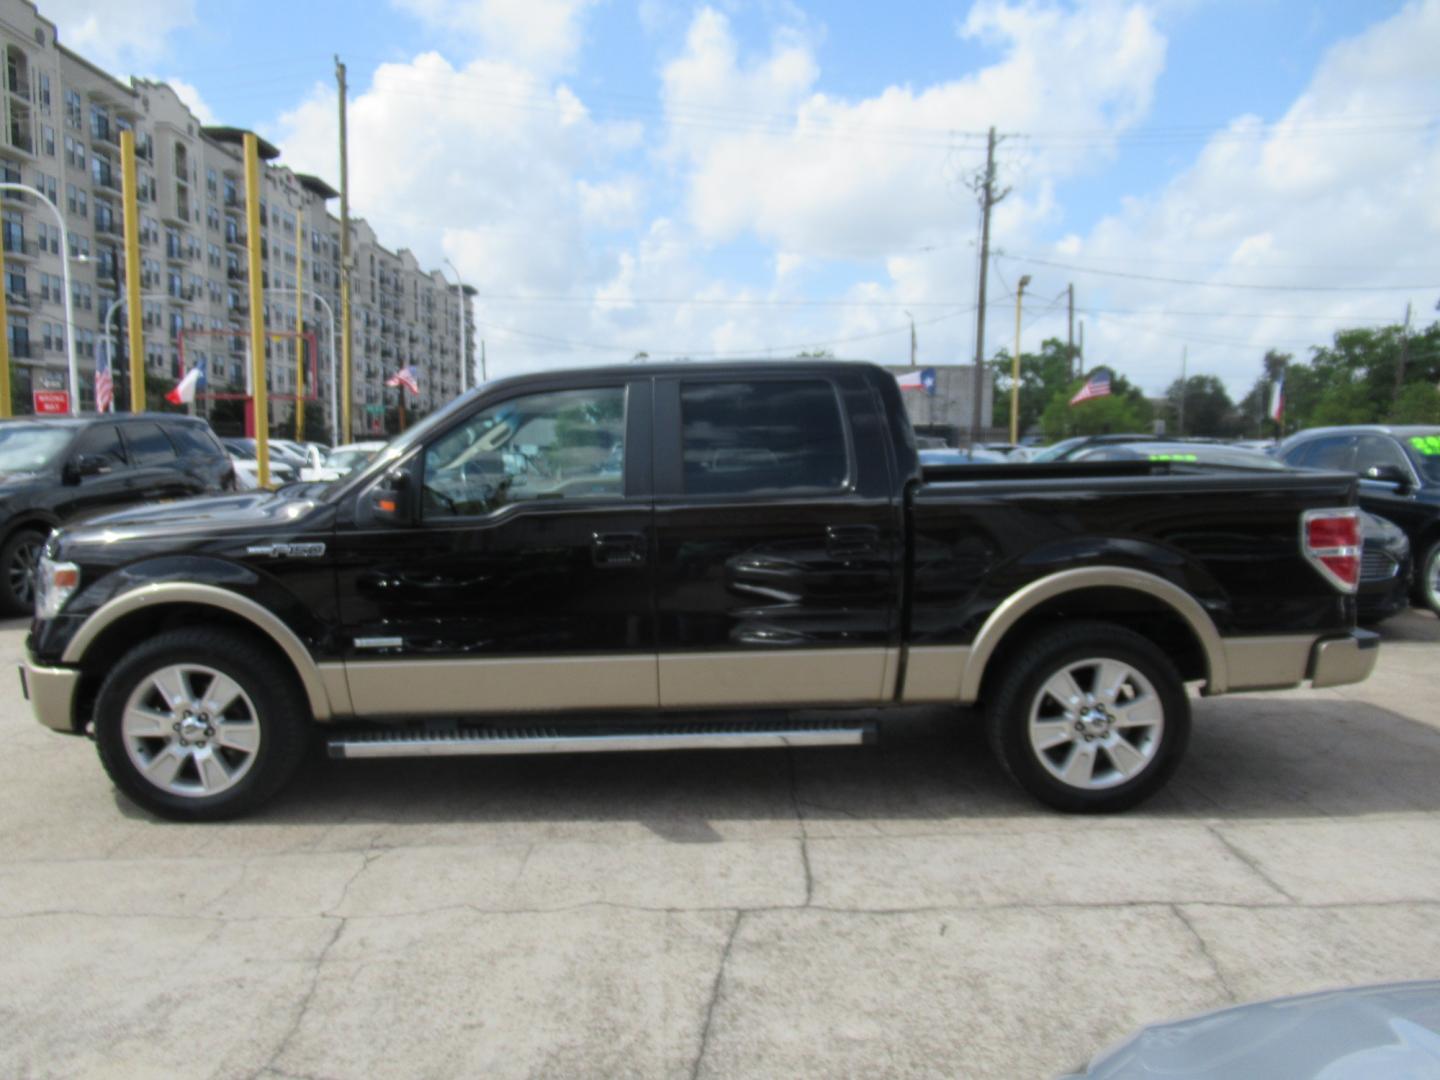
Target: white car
{"points": [[247, 469], [342, 461]]}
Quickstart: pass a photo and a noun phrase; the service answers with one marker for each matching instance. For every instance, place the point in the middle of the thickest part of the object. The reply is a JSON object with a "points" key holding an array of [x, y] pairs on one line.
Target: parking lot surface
{"points": [[896, 911]]}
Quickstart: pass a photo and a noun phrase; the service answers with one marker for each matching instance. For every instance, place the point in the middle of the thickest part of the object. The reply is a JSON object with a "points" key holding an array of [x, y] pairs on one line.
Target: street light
{"points": [[1015, 365], [460, 323], [65, 272]]}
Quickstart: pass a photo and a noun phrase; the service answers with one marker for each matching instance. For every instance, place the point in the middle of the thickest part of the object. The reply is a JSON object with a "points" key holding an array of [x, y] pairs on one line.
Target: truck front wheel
{"points": [[1089, 717], [200, 724]]}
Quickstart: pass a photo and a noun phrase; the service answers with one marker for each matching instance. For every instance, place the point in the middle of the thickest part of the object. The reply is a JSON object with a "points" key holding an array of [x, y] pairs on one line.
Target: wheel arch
{"points": [[30, 519], [1167, 612], [123, 619]]}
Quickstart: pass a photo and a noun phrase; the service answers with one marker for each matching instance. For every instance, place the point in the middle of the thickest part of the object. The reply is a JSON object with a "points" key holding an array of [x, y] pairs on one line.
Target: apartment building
{"points": [[62, 119]]}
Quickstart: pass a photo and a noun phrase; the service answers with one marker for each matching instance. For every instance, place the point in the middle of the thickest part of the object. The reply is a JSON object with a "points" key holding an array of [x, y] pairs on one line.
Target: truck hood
{"points": [[248, 512]]}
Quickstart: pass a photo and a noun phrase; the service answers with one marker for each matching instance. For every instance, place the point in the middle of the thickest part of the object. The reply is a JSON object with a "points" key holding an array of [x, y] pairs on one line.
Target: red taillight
{"points": [[1332, 540]]}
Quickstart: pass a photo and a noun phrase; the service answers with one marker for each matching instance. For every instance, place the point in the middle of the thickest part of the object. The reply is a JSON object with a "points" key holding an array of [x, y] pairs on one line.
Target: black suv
{"points": [[53, 471], [1399, 471]]}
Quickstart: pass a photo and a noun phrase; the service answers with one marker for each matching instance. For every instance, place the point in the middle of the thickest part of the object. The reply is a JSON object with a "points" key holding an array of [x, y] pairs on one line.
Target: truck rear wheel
{"points": [[1089, 717], [200, 724]]}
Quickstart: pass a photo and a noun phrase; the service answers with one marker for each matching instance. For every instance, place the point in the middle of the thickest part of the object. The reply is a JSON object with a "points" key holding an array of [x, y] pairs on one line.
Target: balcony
{"points": [[175, 253], [17, 247], [110, 228], [106, 133], [234, 273], [20, 350], [20, 299], [105, 180]]}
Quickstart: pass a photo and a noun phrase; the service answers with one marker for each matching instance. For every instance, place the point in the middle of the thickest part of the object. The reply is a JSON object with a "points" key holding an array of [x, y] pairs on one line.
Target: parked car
{"points": [[1387, 573], [612, 550], [280, 453], [1068, 448], [1399, 471], [961, 456], [1218, 454], [342, 461], [247, 465], [54, 471]]}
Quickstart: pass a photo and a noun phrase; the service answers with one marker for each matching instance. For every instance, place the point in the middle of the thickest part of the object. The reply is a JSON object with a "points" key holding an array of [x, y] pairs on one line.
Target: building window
{"points": [[47, 140], [74, 115], [45, 93]]}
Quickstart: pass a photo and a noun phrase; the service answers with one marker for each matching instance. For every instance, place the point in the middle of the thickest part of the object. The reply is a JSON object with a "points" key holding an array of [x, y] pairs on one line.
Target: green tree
{"points": [[1042, 376], [1124, 410], [1208, 410], [1418, 403]]}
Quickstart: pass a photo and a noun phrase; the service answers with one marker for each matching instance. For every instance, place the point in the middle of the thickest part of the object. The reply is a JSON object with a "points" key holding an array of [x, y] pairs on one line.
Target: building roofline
{"points": [[94, 67], [316, 186], [235, 136]]}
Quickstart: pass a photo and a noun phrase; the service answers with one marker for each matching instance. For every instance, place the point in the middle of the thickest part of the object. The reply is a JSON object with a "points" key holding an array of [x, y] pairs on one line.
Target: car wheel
{"points": [[17, 571], [1089, 717], [200, 724], [1429, 583]]}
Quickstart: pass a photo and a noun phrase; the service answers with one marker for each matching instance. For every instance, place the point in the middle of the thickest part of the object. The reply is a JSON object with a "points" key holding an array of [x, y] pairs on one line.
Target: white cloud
{"points": [[542, 35], [1340, 192], [119, 34]]}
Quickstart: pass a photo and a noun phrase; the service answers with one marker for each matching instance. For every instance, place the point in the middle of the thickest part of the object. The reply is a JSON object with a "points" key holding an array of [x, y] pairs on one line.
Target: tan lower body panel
{"points": [[532, 684], [1267, 663], [781, 677], [933, 673]]}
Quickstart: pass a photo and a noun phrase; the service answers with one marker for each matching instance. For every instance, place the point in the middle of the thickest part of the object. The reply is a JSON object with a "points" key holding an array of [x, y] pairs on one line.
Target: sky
{"points": [[747, 178]]}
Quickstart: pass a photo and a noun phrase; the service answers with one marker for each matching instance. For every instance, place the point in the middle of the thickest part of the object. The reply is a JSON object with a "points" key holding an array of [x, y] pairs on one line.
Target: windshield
{"points": [[1424, 449], [406, 439], [1054, 453], [240, 450], [347, 461], [27, 447]]}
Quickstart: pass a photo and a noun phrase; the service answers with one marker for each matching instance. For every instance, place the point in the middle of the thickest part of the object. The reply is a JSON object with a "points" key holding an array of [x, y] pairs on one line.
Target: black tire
{"points": [[1153, 752], [17, 571], [279, 707], [1427, 578]]}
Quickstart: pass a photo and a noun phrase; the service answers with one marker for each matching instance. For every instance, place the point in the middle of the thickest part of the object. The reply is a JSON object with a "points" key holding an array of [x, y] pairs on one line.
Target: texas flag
{"points": [[1277, 400], [924, 379], [183, 392]]}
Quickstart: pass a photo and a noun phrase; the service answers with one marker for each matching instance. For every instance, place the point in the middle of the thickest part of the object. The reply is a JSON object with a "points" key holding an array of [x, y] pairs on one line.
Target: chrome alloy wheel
{"points": [[21, 571], [1431, 580], [1096, 723], [190, 730]]}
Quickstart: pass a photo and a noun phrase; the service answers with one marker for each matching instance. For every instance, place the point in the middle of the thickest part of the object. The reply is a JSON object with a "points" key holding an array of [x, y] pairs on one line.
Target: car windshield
{"points": [[347, 461], [27, 447], [240, 450], [1056, 452], [1424, 448]]}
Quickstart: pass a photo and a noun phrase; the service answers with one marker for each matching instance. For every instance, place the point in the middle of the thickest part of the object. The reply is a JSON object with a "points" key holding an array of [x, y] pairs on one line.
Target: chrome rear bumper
{"points": [[1339, 661]]}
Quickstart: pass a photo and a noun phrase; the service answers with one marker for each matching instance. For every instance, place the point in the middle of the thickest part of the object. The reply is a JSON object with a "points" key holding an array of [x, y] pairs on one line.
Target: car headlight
{"points": [[55, 583]]}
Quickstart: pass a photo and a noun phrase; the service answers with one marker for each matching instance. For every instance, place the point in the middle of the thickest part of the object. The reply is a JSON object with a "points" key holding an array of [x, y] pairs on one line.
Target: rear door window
{"points": [[148, 445], [765, 436], [102, 441], [1334, 452]]}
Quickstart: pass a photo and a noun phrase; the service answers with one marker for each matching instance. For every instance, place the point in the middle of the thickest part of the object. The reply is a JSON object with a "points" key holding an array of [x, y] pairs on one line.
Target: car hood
{"points": [[221, 513], [1363, 1033]]}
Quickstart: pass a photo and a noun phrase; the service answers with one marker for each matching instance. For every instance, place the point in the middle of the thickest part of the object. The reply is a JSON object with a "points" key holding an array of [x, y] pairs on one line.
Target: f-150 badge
{"points": [[287, 551]]}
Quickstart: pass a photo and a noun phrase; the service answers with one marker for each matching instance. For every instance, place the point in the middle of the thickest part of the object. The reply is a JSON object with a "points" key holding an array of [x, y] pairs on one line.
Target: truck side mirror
{"points": [[1388, 474], [388, 500]]}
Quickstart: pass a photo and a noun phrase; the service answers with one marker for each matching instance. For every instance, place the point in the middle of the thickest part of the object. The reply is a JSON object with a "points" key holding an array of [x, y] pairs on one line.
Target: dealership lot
{"points": [[899, 911]]}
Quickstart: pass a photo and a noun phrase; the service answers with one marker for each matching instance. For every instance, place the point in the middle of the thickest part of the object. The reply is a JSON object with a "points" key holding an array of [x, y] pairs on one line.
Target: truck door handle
{"points": [[618, 549], [850, 541]]}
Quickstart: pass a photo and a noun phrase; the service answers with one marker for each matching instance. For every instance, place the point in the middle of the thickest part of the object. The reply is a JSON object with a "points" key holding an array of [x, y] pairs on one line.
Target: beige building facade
{"points": [[62, 119]]}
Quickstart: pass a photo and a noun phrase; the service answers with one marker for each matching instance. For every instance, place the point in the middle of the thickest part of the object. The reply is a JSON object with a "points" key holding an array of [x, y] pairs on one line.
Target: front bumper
{"points": [[51, 693], [1338, 661]]}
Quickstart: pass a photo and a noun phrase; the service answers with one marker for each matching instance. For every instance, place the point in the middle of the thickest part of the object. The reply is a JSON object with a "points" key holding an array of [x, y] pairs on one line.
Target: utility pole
{"points": [[345, 396], [1070, 334], [1015, 364], [1080, 353], [1404, 353], [483, 376], [912, 339], [1184, 388], [984, 186]]}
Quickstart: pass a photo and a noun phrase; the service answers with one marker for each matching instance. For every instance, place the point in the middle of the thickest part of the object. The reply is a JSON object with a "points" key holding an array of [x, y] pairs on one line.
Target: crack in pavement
{"points": [[1251, 862], [715, 994], [1205, 951], [304, 1007], [804, 832]]}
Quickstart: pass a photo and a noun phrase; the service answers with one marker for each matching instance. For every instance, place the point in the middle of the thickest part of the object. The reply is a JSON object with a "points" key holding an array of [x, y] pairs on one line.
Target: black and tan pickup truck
{"points": [[683, 556]]}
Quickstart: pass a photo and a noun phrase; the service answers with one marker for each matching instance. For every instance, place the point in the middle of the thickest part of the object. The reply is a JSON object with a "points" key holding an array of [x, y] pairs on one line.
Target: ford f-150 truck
{"points": [[683, 556]]}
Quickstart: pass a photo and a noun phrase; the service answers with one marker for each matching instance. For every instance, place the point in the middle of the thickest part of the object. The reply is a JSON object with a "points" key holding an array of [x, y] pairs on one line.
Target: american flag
{"points": [[405, 377], [1098, 385], [104, 380]]}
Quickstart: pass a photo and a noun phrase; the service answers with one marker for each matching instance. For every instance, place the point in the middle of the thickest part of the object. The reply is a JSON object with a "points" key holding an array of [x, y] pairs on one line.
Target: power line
{"points": [[1075, 268]]}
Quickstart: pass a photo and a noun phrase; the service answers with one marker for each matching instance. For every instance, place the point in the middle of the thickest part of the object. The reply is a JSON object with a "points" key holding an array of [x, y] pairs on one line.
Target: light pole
{"points": [[460, 321], [116, 305], [65, 273], [1015, 365], [334, 401]]}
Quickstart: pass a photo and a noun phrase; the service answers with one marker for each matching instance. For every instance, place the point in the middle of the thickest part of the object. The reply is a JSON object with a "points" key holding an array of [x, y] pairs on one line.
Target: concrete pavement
{"points": [[901, 911]]}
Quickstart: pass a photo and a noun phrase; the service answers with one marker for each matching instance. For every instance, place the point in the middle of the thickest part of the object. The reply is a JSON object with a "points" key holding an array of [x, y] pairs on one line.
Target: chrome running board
{"points": [[466, 741]]}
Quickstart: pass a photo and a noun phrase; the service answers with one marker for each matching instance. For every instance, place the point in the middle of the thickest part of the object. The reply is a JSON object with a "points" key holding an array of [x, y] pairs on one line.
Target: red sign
{"points": [[52, 402]]}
